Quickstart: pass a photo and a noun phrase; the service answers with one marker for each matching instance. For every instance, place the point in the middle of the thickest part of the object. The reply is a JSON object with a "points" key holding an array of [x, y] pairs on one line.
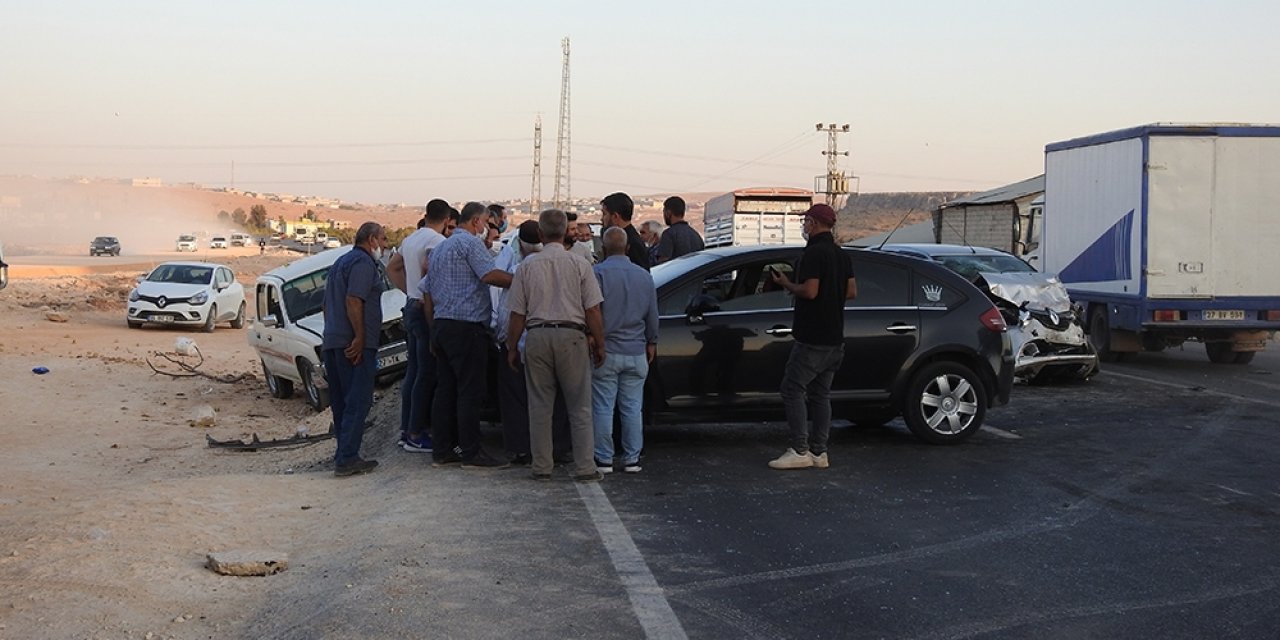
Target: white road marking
{"points": [[1235, 491], [1188, 387], [1000, 433], [648, 600]]}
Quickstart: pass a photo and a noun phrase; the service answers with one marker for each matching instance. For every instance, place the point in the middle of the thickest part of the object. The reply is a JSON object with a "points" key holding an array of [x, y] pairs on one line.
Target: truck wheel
{"points": [[316, 397], [1221, 353], [279, 387], [1100, 338], [945, 403]]}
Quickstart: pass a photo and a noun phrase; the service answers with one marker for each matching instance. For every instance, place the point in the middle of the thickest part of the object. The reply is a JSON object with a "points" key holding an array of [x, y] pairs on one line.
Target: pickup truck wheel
{"points": [[316, 397], [238, 323], [279, 387], [208, 322], [1244, 357], [945, 403]]}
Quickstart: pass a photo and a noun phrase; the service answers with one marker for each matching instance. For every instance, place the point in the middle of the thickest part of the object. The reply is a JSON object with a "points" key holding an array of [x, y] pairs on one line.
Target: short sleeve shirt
{"points": [[554, 285], [454, 270], [356, 274], [821, 321], [679, 239]]}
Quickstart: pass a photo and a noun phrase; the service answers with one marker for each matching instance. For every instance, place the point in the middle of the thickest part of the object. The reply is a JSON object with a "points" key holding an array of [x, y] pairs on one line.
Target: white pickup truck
{"points": [[287, 332]]}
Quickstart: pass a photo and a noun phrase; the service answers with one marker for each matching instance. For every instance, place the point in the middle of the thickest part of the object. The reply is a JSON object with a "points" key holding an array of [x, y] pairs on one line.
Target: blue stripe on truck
{"points": [[1107, 259]]}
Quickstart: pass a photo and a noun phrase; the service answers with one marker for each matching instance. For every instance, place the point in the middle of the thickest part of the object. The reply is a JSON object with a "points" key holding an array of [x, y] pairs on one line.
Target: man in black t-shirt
{"points": [[615, 211], [824, 280]]}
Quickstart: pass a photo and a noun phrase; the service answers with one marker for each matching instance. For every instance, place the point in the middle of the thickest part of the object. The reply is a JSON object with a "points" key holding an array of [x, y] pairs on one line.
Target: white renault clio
{"points": [[188, 293]]}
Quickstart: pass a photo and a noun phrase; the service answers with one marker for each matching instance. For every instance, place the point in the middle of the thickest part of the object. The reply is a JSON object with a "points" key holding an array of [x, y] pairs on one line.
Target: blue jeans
{"points": [[419, 385], [350, 397], [806, 394], [620, 381]]}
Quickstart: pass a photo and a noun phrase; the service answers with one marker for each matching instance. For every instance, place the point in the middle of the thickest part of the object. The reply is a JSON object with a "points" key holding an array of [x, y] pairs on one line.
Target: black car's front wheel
{"points": [[945, 403]]}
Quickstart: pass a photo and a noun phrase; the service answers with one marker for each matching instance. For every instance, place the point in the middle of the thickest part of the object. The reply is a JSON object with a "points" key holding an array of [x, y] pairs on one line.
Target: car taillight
{"points": [[1273, 315], [992, 320], [1166, 315]]}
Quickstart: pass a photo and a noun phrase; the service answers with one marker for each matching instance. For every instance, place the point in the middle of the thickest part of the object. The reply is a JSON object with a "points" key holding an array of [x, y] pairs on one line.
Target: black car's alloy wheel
{"points": [[946, 403]]}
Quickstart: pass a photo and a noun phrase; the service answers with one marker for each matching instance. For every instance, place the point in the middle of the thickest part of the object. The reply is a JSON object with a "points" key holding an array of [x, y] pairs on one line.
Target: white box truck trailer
{"points": [[1168, 233], [760, 215]]}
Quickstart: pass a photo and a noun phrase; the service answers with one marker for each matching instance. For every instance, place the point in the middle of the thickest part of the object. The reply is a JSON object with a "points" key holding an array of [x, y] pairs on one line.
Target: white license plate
{"points": [[162, 318], [1223, 315], [393, 359]]}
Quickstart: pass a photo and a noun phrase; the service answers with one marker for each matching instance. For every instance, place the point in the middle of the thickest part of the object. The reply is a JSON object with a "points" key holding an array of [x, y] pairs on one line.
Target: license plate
{"points": [[162, 318], [393, 359], [1223, 315]]}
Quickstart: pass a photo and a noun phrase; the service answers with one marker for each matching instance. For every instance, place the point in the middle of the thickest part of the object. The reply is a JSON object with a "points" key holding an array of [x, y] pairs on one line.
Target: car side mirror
{"points": [[701, 304], [269, 321]]}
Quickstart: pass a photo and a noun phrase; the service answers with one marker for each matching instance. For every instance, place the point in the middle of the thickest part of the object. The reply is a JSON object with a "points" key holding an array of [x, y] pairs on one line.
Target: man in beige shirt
{"points": [[555, 295]]}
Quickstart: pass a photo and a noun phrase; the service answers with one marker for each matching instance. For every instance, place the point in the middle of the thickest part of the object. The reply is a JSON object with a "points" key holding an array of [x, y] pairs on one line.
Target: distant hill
{"points": [[870, 213]]}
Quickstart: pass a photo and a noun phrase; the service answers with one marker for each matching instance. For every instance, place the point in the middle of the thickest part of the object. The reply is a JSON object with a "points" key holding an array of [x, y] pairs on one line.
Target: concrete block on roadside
{"points": [[56, 316], [248, 563]]}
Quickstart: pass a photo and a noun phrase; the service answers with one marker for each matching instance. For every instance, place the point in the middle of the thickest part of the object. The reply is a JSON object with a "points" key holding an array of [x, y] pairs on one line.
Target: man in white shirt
{"points": [[405, 270]]}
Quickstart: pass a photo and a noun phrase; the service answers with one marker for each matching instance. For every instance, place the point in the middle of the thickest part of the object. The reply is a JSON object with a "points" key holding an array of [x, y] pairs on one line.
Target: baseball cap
{"points": [[822, 213], [528, 232]]}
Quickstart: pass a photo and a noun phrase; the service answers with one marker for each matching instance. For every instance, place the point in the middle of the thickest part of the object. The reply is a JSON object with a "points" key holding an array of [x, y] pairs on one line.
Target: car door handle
{"points": [[779, 331], [901, 328]]}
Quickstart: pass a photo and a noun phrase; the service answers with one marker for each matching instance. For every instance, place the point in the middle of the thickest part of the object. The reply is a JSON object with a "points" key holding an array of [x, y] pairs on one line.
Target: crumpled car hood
{"points": [[1037, 290]]}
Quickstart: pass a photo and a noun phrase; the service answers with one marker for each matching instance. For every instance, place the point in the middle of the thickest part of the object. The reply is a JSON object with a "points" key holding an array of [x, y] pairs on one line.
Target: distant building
{"points": [[339, 224], [146, 182]]}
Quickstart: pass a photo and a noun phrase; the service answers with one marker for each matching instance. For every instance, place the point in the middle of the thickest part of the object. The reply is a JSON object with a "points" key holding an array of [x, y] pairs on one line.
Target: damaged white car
{"points": [[1045, 327]]}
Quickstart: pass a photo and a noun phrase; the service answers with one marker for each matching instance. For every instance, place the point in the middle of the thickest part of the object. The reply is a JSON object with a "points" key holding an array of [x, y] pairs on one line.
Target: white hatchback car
{"points": [[217, 242], [187, 293], [186, 243]]}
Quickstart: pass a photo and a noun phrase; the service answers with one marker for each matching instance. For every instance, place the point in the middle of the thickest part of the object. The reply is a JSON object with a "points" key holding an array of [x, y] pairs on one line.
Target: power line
{"points": [[329, 145], [782, 148], [685, 156]]}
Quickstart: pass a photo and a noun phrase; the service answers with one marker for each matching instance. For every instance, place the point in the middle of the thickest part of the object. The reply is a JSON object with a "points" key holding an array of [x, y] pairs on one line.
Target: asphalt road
{"points": [[1141, 504]]}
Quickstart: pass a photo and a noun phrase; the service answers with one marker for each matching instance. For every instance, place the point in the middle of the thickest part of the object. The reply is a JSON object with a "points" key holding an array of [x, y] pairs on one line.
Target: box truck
{"points": [[760, 215], [1169, 233]]}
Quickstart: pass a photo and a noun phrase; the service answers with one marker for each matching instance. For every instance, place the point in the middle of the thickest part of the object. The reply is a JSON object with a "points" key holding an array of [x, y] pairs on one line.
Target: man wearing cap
{"points": [[824, 280]]}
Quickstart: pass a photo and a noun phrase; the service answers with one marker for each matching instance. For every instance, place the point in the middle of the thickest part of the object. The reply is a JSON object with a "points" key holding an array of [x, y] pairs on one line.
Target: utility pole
{"points": [[535, 190], [562, 197], [233, 174], [835, 184]]}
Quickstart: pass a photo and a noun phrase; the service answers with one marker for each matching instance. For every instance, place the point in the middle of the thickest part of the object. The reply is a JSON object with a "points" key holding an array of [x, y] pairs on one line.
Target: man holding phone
{"points": [[824, 280]]}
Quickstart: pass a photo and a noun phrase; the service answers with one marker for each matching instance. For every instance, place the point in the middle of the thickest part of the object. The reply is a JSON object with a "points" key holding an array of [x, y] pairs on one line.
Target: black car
{"points": [[920, 342], [104, 246]]}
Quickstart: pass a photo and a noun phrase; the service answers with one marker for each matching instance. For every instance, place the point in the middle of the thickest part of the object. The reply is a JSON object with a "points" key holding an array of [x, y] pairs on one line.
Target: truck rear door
{"points": [[1246, 224]]}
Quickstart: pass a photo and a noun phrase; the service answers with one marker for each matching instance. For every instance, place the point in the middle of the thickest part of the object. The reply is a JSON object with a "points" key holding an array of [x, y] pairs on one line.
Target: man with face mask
{"points": [[497, 222], [349, 346], [457, 304]]}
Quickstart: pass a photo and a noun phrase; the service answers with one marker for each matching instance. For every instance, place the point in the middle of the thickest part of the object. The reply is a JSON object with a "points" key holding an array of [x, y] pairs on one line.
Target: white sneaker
{"points": [[791, 460], [819, 462]]}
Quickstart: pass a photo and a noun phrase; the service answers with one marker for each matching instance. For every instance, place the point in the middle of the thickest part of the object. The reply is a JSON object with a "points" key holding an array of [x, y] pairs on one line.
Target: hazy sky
{"points": [[384, 101]]}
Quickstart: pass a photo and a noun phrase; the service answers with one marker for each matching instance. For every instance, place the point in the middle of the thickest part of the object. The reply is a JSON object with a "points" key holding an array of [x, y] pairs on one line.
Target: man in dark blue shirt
{"points": [[352, 322], [679, 238]]}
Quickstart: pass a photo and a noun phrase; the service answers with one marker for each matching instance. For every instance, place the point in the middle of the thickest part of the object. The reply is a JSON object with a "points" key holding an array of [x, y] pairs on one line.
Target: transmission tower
{"points": [[535, 191], [562, 197], [835, 184]]}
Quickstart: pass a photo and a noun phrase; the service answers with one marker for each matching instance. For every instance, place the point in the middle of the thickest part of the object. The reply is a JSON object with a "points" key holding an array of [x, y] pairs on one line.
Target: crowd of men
{"points": [[574, 334]]}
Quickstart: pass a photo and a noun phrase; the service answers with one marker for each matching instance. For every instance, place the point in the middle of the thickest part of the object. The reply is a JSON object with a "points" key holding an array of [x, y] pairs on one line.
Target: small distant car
{"points": [[187, 243], [332, 243], [104, 246], [1046, 328], [187, 293], [240, 239], [217, 242], [290, 324]]}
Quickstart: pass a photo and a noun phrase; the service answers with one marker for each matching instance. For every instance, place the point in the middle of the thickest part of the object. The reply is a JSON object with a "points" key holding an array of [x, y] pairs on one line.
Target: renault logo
{"points": [[1053, 316], [162, 302]]}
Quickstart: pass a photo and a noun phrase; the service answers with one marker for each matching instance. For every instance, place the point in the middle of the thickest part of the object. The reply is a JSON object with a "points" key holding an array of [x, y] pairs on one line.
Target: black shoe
{"points": [[352, 468], [445, 459], [589, 477], [541, 477], [520, 460], [483, 460]]}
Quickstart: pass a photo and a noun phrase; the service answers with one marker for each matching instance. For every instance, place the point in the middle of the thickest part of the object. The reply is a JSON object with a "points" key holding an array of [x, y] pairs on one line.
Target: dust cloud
{"points": [[47, 217]]}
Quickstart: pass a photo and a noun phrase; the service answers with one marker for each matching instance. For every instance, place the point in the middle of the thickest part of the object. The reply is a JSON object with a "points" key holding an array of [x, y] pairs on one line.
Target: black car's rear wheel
{"points": [[945, 403]]}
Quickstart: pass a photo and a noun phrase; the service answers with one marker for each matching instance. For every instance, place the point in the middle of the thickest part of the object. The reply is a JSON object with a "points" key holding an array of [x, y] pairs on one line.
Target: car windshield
{"points": [[305, 296], [218, 238], [181, 274], [186, 238], [104, 239], [970, 265]]}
